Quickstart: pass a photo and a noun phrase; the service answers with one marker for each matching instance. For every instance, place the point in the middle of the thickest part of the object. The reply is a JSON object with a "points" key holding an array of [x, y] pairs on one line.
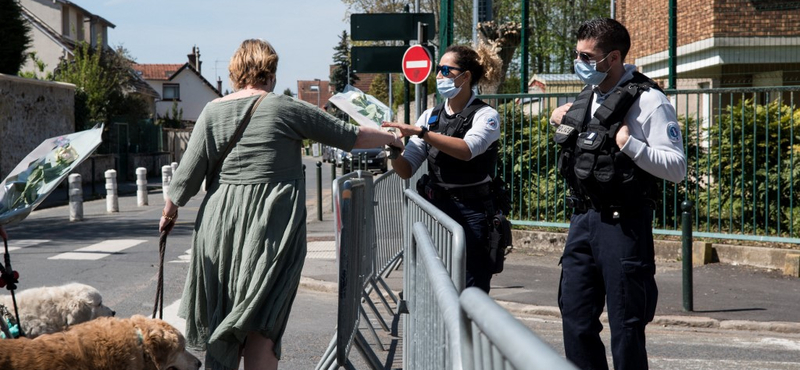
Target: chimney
{"points": [[197, 59], [194, 58], [219, 85]]}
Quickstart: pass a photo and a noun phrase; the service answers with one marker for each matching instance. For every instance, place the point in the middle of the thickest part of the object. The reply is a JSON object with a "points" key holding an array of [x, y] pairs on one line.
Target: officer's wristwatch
{"points": [[423, 132]]}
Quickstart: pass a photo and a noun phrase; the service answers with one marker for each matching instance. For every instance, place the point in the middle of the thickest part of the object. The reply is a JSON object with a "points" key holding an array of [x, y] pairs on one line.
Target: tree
{"points": [[379, 88], [103, 80], [16, 37], [342, 75], [288, 92], [39, 67]]}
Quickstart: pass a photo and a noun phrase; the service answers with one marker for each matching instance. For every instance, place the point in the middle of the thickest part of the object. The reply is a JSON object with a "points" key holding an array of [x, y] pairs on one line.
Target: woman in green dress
{"points": [[249, 240]]}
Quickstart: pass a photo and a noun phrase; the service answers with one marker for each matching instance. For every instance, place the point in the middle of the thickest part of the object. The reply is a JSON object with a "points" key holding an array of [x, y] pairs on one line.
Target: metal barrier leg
{"points": [[366, 351], [329, 357], [381, 296], [371, 328]]}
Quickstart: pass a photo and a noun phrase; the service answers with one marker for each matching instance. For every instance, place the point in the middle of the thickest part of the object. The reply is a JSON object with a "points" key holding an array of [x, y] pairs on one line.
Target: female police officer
{"points": [[459, 140]]}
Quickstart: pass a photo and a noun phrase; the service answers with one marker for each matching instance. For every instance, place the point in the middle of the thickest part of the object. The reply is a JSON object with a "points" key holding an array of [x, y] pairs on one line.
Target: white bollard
{"points": [[166, 178], [75, 197], [174, 166], [141, 187], [112, 201]]}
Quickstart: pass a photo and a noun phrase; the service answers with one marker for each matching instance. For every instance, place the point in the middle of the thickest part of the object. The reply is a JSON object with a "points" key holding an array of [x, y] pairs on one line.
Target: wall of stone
{"points": [[30, 112]]}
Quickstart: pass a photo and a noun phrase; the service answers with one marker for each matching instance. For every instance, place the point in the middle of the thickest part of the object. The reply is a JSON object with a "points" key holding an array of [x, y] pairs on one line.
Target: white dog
{"points": [[48, 310]]}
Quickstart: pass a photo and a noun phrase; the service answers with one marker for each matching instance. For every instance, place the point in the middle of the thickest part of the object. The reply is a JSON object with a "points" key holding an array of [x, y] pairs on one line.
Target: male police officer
{"points": [[617, 140]]}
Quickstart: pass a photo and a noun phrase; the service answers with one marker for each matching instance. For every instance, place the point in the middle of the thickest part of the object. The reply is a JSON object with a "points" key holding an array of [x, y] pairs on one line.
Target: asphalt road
{"points": [[127, 279]]}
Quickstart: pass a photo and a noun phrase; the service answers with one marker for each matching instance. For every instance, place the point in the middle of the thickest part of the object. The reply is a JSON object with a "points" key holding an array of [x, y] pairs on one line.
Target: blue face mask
{"points": [[588, 72], [447, 87]]}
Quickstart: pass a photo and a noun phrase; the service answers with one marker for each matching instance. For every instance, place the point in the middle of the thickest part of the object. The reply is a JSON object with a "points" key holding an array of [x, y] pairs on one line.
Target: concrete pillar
{"points": [[112, 201], [75, 197], [792, 265], [141, 187], [166, 178], [701, 253]]}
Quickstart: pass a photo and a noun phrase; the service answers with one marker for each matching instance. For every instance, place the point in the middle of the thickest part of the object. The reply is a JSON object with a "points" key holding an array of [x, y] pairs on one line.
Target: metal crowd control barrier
{"points": [[433, 329], [356, 243], [495, 340], [448, 236], [449, 243]]}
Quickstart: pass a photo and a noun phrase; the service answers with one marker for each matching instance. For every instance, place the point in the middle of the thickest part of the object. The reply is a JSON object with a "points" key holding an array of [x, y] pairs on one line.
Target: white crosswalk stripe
{"points": [[24, 243], [184, 258], [99, 250], [322, 250]]}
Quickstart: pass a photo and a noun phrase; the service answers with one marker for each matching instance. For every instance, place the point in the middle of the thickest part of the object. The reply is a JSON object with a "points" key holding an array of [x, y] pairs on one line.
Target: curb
{"points": [[782, 327], [670, 320]]}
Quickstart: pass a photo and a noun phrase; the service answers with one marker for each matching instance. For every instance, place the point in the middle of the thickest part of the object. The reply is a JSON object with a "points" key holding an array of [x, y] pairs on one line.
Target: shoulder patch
{"points": [[492, 123], [674, 132]]}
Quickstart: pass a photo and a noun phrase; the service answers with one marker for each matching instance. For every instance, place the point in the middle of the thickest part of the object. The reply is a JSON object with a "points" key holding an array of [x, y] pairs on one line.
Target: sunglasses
{"points": [[445, 70], [584, 57]]}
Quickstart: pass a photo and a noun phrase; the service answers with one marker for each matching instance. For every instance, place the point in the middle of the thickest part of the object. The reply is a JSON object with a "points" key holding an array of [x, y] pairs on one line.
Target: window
{"points": [[171, 92]]}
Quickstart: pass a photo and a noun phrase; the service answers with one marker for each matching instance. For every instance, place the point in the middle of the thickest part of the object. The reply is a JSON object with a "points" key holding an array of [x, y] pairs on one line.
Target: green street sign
{"points": [[390, 26], [379, 59]]}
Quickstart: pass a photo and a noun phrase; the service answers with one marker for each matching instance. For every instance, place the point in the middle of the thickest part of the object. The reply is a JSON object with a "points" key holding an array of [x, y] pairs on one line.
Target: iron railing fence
{"points": [[743, 158]]}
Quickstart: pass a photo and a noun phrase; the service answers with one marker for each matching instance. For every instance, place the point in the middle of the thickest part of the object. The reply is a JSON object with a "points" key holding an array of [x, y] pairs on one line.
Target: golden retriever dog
{"points": [[48, 310], [107, 343]]}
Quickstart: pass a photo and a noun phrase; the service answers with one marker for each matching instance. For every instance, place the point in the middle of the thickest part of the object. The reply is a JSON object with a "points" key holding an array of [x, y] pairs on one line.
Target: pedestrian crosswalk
{"points": [[321, 250], [14, 245], [98, 250]]}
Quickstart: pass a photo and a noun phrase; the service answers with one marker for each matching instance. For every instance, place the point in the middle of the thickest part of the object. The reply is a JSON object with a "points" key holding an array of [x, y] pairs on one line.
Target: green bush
{"points": [[751, 170]]}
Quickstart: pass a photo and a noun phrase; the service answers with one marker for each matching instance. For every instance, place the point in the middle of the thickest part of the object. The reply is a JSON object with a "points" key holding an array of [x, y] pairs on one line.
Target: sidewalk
{"points": [[725, 296]]}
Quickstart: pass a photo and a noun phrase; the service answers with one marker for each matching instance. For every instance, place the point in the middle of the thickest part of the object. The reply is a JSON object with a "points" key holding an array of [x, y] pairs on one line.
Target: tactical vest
{"points": [[443, 168], [591, 161]]}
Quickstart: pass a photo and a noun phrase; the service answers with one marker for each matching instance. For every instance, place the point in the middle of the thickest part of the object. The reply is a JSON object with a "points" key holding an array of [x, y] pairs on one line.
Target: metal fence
{"points": [[448, 236], [354, 196], [495, 340], [743, 156], [433, 331]]}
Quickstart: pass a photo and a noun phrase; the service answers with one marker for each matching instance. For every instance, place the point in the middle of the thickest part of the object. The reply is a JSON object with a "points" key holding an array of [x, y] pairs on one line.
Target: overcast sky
{"points": [[304, 32]]}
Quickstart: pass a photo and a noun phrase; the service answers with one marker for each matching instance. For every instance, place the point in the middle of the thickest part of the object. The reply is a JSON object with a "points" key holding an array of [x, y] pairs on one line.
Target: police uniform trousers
{"points": [[471, 215], [613, 259]]}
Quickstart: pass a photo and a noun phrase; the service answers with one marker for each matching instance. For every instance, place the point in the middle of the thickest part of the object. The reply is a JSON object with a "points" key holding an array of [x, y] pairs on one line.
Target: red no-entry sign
{"points": [[417, 64]]}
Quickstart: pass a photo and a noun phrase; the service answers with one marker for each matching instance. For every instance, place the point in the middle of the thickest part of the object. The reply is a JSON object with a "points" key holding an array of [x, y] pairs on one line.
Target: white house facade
{"points": [[57, 26], [180, 84]]}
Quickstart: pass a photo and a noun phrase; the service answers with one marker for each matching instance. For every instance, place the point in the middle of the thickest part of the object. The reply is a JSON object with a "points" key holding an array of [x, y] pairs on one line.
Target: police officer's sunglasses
{"points": [[445, 70], [584, 57]]}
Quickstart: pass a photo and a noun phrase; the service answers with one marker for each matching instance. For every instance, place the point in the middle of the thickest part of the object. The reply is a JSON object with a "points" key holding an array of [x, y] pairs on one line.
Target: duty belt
{"points": [[436, 192], [584, 204]]}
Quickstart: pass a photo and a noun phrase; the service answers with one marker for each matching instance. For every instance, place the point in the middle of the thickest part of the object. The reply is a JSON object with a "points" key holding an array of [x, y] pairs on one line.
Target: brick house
{"points": [[721, 43], [316, 92]]}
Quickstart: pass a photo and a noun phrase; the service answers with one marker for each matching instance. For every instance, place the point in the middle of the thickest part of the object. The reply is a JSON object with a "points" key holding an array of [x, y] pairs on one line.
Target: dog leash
{"points": [[9, 278], [158, 307]]}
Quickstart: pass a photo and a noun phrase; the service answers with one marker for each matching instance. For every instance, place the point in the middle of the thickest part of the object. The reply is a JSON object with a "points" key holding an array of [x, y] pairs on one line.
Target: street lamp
{"points": [[317, 89]]}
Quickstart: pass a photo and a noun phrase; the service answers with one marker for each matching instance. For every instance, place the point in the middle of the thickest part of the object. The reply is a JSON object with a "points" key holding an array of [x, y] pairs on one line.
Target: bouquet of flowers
{"points": [[363, 108], [42, 170]]}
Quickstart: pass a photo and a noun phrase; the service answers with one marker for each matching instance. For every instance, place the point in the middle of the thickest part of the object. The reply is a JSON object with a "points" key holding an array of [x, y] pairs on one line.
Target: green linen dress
{"points": [[249, 240]]}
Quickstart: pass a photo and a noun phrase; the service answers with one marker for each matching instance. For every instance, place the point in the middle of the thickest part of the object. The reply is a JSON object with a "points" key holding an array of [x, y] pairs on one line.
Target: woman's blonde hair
{"points": [[254, 63]]}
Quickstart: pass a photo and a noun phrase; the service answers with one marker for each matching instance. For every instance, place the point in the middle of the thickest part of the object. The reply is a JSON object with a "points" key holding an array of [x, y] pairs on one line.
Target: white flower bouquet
{"points": [[363, 108], [42, 170]]}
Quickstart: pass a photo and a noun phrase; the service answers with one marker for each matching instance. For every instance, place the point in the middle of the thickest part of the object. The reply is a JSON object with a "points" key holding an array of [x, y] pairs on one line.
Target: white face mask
{"points": [[447, 87]]}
